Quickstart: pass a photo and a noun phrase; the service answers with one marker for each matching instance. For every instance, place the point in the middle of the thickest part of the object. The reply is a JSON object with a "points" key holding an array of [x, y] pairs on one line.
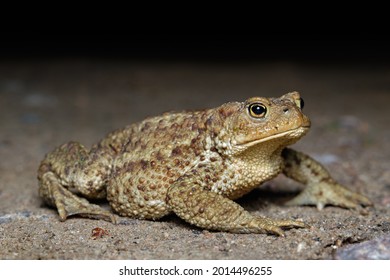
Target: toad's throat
{"points": [[289, 134]]}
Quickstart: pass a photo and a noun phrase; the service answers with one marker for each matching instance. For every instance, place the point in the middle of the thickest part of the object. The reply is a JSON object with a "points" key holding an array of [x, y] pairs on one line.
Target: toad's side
{"points": [[193, 164]]}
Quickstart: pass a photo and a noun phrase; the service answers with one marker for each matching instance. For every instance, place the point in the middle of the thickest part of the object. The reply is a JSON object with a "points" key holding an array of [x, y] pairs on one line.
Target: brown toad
{"points": [[193, 164]]}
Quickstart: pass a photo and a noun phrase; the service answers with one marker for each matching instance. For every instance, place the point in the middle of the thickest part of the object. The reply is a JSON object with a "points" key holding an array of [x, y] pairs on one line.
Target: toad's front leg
{"points": [[209, 210], [321, 188]]}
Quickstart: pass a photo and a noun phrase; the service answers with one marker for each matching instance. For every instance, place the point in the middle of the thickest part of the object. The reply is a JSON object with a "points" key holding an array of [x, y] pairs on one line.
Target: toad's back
{"points": [[153, 154]]}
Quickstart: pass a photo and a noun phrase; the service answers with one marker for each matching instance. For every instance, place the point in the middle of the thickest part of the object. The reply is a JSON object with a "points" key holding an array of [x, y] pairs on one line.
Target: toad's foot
{"points": [[67, 203], [329, 193], [266, 225], [321, 188]]}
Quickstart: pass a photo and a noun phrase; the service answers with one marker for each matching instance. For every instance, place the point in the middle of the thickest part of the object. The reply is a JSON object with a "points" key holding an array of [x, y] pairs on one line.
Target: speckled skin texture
{"points": [[193, 164]]}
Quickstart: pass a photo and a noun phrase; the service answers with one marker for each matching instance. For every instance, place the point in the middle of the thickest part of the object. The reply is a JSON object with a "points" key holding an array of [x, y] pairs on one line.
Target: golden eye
{"points": [[257, 110]]}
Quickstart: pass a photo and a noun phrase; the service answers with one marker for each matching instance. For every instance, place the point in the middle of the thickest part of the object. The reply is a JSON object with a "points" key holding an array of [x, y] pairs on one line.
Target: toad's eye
{"points": [[257, 110], [301, 103]]}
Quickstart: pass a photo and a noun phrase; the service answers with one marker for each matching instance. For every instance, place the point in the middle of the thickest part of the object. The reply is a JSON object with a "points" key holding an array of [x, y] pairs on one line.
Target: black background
{"points": [[216, 36]]}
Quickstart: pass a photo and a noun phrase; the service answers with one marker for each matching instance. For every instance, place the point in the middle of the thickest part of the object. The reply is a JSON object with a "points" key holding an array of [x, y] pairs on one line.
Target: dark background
{"points": [[323, 46], [325, 34], [305, 50]]}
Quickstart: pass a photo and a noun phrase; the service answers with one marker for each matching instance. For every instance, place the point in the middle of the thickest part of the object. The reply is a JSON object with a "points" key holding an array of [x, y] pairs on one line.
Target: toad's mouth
{"points": [[291, 134]]}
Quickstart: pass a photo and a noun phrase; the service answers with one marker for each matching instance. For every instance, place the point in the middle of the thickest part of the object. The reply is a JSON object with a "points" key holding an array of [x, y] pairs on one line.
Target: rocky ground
{"points": [[44, 103]]}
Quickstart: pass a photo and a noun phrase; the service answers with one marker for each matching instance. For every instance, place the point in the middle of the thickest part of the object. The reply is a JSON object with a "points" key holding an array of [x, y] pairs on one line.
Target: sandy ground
{"points": [[46, 103]]}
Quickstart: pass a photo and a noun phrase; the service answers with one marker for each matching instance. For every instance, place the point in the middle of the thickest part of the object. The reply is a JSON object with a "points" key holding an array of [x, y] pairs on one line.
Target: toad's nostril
{"points": [[285, 109]]}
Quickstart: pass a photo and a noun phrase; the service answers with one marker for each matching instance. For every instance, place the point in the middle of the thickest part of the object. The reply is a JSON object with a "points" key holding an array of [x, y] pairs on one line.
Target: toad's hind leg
{"points": [[71, 170]]}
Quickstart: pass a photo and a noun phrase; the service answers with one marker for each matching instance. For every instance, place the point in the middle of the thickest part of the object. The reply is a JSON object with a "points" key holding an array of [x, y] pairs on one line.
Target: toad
{"points": [[195, 165]]}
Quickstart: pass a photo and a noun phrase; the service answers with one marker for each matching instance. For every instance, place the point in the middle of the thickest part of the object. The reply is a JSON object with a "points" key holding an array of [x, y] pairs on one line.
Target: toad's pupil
{"points": [[258, 110]]}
